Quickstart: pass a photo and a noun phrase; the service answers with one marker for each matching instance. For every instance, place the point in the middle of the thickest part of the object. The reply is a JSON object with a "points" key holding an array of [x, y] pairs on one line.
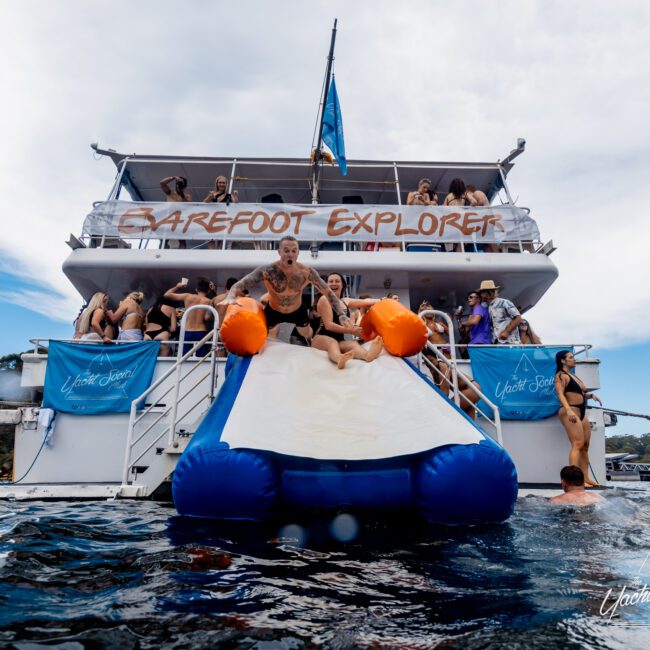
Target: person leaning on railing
{"points": [[95, 326], [526, 334], [436, 336], [423, 195], [220, 193], [160, 324], [199, 322], [132, 316]]}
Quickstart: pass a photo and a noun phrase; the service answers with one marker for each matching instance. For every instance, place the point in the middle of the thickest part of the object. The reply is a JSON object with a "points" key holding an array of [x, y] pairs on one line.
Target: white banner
{"points": [[360, 223]]}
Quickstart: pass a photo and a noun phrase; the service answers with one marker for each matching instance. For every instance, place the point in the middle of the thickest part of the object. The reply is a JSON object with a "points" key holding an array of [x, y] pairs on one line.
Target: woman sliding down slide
{"points": [[329, 336]]}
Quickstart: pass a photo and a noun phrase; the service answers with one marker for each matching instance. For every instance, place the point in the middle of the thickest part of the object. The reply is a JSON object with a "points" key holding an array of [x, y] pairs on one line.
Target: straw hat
{"points": [[487, 285]]}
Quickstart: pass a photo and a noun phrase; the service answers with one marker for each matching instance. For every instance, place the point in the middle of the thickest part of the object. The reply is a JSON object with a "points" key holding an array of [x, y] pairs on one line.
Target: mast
{"points": [[318, 157]]}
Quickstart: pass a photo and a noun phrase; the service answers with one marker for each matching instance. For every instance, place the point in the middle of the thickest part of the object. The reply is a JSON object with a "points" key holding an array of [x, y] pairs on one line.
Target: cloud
{"points": [[430, 81]]}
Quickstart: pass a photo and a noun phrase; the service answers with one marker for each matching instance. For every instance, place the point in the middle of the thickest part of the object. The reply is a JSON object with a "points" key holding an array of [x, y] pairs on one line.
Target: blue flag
{"points": [[87, 379], [333, 128], [517, 380]]}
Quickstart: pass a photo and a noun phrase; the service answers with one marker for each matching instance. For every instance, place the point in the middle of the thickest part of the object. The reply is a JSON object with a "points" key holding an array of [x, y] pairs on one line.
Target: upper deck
{"points": [[360, 226]]}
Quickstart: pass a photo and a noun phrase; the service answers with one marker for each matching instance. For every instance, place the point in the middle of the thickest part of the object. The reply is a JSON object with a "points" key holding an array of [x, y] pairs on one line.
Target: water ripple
{"points": [[134, 575]]}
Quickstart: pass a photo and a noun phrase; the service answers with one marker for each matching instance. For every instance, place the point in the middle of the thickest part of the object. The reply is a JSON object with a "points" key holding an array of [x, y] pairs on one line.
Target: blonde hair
{"points": [[216, 180], [138, 296], [96, 302]]}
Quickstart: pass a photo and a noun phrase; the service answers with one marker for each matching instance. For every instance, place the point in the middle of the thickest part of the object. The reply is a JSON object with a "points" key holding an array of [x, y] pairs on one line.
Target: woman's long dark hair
{"points": [[559, 359], [457, 188]]}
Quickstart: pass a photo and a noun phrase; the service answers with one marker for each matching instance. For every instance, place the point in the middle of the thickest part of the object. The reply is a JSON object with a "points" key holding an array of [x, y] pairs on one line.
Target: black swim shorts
{"points": [[300, 317]]}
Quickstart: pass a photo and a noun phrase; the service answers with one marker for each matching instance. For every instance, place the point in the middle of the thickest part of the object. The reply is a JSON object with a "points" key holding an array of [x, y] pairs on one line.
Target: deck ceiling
{"points": [[370, 182], [444, 279]]}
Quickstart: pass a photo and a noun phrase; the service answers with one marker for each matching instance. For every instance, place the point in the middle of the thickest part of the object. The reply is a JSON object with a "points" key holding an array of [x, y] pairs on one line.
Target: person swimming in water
{"points": [[573, 483]]}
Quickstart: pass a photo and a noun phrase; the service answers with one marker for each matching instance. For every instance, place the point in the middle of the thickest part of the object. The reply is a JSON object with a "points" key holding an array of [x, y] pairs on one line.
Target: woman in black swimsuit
{"points": [[160, 324], [330, 335], [573, 397], [220, 193]]}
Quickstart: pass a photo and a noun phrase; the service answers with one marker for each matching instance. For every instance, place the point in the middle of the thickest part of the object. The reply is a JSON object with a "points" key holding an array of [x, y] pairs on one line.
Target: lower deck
{"points": [[85, 455]]}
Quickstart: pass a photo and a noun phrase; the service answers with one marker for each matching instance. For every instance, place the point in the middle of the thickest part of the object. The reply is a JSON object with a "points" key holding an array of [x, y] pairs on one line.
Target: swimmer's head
{"points": [[288, 250], [572, 475]]}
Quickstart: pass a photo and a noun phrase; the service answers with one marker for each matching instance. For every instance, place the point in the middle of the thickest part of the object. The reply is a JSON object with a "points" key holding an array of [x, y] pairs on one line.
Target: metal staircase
{"points": [[155, 439]]}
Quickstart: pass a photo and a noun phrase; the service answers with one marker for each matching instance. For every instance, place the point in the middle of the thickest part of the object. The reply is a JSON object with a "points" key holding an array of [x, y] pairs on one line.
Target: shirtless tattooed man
{"points": [[285, 280]]}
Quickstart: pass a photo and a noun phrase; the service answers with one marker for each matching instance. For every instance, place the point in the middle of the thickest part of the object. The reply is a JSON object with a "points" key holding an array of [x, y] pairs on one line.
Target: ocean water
{"points": [[124, 574]]}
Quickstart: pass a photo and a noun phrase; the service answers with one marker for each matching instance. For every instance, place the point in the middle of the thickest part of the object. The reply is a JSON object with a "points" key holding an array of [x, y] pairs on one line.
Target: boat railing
{"points": [[462, 349], [505, 228], [450, 381], [180, 373], [450, 246]]}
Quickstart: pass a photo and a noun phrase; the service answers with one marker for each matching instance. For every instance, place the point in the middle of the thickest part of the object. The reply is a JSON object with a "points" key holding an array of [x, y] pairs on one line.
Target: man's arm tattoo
{"points": [[317, 281], [247, 282]]}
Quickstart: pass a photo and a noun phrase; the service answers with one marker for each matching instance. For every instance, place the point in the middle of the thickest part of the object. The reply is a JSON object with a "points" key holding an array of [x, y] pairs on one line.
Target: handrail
{"points": [[496, 422], [452, 345], [177, 368], [452, 361]]}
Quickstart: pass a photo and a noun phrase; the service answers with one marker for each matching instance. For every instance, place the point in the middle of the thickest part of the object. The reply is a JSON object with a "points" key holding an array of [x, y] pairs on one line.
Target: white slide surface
{"points": [[294, 401]]}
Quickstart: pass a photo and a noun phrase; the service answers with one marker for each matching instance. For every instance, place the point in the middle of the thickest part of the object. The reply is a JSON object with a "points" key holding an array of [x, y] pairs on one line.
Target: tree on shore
{"points": [[639, 445]]}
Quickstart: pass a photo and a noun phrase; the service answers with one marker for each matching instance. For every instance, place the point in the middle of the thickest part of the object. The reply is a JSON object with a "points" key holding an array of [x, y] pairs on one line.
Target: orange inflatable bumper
{"points": [[403, 332], [244, 330]]}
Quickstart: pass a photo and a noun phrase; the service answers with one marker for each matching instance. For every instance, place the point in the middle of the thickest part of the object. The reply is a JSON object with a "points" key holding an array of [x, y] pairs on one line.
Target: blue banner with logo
{"points": [[87, 379], [518, 380]]}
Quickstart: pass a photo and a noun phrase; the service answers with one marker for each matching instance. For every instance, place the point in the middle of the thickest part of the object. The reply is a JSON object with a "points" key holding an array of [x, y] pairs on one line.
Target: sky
{"points": [[428, 80]]}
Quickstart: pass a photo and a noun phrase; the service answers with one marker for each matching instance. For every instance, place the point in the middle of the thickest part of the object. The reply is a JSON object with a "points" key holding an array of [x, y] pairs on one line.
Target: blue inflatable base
{"points": [[452, 485]]}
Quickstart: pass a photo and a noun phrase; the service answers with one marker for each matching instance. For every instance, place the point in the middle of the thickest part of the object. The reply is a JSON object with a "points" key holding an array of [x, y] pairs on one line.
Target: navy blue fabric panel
{"points": [[466, 484], [221, 483], [194, 478], [379, 489]]}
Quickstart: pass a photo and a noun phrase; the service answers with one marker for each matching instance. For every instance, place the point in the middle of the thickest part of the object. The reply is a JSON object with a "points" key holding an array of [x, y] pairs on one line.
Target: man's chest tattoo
{"points": [[296, 282], [277, 279]]}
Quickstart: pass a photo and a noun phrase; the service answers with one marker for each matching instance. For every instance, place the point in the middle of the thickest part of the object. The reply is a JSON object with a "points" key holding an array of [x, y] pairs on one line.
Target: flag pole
{"points": [[318, 157]]}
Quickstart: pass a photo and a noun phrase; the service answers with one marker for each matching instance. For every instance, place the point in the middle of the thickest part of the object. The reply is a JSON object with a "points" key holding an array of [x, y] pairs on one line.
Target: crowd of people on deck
{"points": [[332, 322], [487, 320]]}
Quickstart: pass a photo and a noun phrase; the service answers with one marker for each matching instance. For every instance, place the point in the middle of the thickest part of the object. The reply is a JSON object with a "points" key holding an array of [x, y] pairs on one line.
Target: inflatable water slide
{"points": [[290, 431]]}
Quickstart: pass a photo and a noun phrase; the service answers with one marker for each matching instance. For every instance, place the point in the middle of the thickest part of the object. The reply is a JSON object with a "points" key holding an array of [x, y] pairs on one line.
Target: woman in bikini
{"points": [[437, 335], [573, 397], [160, 323], [330, 335], [94, 325], [132, 316], [458, 194]]}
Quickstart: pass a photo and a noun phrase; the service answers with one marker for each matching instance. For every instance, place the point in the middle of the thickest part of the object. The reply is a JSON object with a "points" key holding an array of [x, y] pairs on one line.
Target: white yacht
{"points": [[360, 226]]}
